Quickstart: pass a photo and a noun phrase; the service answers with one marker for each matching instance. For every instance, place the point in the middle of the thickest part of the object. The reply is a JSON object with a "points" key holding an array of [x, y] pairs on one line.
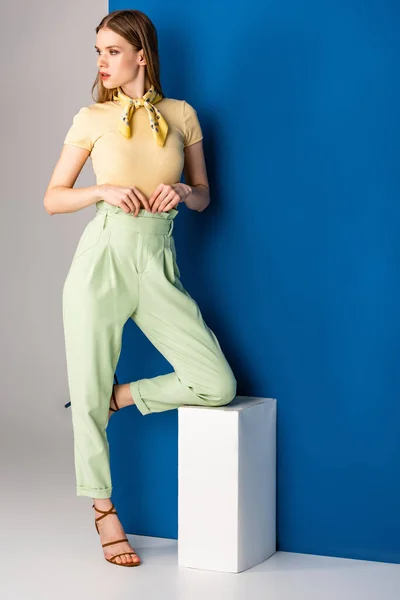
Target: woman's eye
{"points": [[111, 51]]}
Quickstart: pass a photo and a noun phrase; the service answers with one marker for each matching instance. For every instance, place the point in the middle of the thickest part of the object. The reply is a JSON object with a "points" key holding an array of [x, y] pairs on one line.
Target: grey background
{"points": [[48, 68]]}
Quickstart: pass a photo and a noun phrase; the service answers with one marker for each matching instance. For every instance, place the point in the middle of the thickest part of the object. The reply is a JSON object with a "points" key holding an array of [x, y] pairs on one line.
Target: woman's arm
{"points": [[196, 176], [60, 196], [199, 198]]}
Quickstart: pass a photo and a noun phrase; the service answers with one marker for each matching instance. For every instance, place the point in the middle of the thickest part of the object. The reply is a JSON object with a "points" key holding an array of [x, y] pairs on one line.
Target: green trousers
{"points": [[125, 267]]}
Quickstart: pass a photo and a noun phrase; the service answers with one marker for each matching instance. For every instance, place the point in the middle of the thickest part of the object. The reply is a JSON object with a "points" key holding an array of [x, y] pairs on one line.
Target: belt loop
{"points": [[171, 228], [104, 220]]}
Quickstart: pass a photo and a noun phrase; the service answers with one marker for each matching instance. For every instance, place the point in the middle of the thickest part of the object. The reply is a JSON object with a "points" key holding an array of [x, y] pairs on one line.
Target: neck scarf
{"points": [[157, 121]]}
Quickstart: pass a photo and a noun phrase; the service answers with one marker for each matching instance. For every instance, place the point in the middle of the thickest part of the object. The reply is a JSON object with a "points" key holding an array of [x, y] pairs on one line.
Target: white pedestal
{"points": [[227, 484]]}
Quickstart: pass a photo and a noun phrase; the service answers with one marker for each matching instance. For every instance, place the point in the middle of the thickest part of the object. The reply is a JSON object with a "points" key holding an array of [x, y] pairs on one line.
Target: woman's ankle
{"points": [[123, 395], [102, 503]]}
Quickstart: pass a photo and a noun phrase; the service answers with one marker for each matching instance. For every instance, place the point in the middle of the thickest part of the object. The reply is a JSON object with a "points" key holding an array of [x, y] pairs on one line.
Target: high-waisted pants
{"points": [[125, 267]]}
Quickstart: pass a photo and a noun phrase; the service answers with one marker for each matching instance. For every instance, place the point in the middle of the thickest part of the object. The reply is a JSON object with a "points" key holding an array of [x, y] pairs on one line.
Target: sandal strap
{"points": [[116, 542], [113, 395], [115, 400], [105, 512], [122, 553]]}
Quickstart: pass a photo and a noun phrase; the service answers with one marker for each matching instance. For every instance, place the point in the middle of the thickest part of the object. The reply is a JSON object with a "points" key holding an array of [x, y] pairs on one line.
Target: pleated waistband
{"points": [[145, 222]]}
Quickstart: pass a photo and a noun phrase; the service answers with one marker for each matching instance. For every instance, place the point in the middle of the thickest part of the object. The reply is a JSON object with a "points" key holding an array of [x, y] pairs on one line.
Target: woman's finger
{"points": [[142, 198]]}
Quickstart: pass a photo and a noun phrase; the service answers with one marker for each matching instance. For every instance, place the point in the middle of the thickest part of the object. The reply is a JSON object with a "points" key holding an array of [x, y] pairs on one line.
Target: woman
{"points": [[125, 262]]}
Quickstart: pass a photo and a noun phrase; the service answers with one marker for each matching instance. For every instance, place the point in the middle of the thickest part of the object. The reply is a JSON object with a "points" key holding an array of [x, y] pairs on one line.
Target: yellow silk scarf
{"points": [[157, 121]]}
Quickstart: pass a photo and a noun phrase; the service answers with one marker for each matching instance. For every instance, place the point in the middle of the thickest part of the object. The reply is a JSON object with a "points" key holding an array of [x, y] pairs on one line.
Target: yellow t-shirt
{"points": [[138, 160]]}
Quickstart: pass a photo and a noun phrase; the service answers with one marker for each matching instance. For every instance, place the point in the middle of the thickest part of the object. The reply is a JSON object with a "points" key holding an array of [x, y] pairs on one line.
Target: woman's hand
{"points": [[130, 199], [167, 196]]}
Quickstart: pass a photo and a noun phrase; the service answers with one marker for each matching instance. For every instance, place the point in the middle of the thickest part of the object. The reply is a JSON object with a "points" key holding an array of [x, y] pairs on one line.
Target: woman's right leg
{"points": [[99, 294]]}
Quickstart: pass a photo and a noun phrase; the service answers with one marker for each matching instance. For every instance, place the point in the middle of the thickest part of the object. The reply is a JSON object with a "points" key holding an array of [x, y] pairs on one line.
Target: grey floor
{"points": [[50, 550]]}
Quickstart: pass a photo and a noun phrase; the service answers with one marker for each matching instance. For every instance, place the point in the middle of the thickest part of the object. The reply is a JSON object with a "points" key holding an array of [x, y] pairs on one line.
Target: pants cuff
{"points": [[137, 398], [94, 492]]}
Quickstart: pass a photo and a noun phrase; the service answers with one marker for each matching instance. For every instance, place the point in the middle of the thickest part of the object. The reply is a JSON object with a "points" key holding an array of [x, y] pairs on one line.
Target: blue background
{"points": [[295, 263]]}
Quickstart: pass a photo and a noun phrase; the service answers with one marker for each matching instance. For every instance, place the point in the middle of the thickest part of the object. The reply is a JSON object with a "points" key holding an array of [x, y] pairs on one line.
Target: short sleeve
{"points": [[80, 132], [192, 128]]}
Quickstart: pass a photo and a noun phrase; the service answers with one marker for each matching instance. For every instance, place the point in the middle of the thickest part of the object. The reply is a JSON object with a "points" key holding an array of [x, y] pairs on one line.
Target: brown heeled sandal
{"points": [[113, 396], [110, 511]]}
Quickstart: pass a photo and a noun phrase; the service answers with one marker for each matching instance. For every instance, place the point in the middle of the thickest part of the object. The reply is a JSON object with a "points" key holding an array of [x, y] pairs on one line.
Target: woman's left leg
{"points": [[172, 321]]}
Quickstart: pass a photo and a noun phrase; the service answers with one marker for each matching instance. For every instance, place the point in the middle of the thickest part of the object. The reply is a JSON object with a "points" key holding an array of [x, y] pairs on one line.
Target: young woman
{"points": [[125, 262]]}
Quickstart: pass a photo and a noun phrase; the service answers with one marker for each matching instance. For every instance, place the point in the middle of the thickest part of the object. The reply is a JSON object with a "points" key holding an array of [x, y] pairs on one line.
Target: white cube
{"points": [[227, 484]]}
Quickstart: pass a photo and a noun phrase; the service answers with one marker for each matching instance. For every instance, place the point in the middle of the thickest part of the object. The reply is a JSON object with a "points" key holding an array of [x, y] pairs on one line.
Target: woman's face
{"points": [[117, 58]]}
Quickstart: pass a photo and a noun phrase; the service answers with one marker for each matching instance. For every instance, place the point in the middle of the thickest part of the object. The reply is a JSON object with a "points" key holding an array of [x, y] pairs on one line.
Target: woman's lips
{"points": [[104, 76]]}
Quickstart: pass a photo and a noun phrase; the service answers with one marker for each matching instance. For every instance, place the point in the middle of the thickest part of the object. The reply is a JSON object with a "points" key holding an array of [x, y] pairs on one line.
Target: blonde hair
{"points": [[139, 31]]}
